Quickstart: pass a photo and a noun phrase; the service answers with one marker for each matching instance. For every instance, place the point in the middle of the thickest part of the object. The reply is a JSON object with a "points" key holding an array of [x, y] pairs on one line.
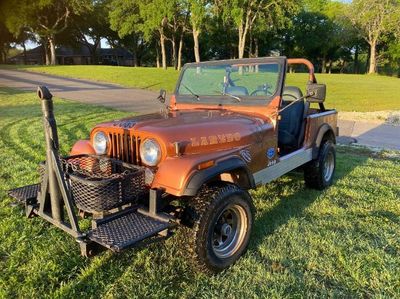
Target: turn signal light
{"points": [[205, 165]]}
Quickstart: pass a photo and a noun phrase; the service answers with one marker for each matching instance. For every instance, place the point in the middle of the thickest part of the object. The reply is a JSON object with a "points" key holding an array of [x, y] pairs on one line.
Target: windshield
{"points": [[229, 82]]}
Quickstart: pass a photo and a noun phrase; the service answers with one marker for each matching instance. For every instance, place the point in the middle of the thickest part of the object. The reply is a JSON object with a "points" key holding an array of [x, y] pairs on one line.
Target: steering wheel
{"points": [[263, 89]]}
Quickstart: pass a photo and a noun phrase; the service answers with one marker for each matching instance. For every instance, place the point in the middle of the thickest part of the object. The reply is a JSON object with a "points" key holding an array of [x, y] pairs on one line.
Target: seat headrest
{"points": [[291, 93]]}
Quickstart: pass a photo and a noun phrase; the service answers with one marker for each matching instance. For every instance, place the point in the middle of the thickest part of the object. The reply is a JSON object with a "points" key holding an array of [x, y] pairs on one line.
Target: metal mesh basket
{"points": [[99, 184]]}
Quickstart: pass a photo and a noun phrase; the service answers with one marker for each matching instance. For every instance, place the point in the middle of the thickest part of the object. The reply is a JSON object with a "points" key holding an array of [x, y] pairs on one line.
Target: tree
{"points": [[198, 15], [124, 18], [148, 17], [375, 19], [244, 13], [315, 37], [6, 38], [91, 26], [46, 18]]}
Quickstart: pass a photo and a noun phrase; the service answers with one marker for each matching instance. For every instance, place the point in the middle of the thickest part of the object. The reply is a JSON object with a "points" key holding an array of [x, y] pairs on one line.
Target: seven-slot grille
{"points": [[125, 147]]}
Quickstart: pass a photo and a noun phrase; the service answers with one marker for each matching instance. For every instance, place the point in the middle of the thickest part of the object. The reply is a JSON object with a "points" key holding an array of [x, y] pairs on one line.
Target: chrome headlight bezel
{"points": [[100, 142], [150, 152]]}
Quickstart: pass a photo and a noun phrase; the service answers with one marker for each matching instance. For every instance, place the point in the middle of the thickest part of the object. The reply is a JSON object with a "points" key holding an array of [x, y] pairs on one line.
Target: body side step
{"points": [[117, 232], [25, 194], [126, 231]]}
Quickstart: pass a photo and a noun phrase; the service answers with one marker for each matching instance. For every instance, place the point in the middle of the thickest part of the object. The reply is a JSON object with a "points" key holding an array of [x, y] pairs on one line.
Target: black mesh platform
{"points": [[126, 231], [24, 194]]}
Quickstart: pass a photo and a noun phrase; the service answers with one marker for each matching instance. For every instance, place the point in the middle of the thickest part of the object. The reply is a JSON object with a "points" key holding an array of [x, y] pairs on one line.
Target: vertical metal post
{"points": [[50, 129]]}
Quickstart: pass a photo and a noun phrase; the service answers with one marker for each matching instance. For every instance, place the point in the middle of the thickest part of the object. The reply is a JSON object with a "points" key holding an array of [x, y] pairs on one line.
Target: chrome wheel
{"points": [[229, 231], [329, 166]]}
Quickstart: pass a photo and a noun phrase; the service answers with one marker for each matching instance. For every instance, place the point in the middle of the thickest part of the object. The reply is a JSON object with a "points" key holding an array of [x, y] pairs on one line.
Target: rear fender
{"points": [[325, 131]]}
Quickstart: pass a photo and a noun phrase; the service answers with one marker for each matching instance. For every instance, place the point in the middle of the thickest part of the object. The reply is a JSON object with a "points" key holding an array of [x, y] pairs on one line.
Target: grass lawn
{"points": [[343, 242], [344, 92]]}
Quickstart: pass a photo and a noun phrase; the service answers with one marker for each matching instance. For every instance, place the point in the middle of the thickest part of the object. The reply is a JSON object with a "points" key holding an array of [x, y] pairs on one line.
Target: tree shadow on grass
{"points": [[292, 204], [292, 199], [95, 277]]}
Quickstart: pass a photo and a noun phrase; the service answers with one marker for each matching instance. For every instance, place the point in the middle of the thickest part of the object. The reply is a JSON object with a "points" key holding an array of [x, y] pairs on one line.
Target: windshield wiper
{"points": [[229, 95], [189, 90], [233, 96]]}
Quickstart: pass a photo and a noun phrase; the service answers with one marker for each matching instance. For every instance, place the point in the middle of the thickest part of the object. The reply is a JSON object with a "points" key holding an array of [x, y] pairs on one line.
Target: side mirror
{"points": [[162, 96], [316, 93]]}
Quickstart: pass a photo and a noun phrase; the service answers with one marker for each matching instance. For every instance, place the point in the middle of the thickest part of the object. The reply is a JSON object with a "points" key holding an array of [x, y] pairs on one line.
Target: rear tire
{"points": [[220, 219], [319, 173]]}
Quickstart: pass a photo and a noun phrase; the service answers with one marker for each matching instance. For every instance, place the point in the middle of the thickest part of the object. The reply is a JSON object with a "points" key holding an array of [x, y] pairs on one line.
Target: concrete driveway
{"points": [[144, 101], [370, 134], [105, 94]]}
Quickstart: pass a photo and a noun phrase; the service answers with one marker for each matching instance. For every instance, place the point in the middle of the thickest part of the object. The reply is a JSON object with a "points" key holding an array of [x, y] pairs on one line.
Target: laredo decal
{"points": [[215, 139]]}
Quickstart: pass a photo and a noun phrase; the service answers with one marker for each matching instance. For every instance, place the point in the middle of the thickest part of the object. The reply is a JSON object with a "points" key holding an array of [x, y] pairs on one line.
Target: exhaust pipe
{"points": [[52, 146]]}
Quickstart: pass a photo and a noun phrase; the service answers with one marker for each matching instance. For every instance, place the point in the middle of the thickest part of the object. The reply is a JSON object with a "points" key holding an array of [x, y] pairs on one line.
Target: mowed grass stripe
{"points": [[342, 242], [345, 92]]}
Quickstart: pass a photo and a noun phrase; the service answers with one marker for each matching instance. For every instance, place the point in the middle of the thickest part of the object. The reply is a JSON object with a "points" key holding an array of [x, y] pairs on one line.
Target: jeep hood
{"points": [[196, 131]]}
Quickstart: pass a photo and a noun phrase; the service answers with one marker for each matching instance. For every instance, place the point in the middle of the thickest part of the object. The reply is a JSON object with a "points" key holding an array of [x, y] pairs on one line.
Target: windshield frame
{"points": [[226, 99]]}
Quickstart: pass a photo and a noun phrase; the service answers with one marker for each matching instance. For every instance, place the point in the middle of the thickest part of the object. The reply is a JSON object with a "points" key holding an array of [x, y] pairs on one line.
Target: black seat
{"points": [[291, 123]]}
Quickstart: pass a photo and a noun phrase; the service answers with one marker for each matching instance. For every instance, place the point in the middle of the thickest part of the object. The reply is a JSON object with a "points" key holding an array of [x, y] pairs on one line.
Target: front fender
{"points": [[82, 147], [180, 176], [199, 178]]}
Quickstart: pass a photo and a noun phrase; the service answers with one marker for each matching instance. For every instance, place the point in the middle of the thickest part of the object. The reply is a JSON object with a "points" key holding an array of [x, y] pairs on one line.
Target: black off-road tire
{"points": [[319, 173], [201, 215]]}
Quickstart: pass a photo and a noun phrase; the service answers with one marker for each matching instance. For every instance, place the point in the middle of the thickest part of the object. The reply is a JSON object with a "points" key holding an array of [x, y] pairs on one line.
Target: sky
{"points": [[31, 45]]}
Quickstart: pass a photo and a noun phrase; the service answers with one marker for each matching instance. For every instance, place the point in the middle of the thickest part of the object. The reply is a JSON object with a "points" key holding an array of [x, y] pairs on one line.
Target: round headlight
{"points": [[100, 141], [150, 152]]}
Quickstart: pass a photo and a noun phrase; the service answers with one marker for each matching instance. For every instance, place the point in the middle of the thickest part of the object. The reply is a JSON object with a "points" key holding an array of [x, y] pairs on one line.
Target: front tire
{"points": [[221, 220], [319, 173]]}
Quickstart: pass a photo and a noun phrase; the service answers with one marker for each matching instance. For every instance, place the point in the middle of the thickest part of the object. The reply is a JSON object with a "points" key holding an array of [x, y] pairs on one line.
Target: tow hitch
{"points": [[67, 186]]}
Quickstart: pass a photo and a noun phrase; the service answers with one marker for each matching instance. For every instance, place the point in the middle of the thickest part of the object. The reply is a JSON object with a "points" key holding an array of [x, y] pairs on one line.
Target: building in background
{"points": [[75, 56]]}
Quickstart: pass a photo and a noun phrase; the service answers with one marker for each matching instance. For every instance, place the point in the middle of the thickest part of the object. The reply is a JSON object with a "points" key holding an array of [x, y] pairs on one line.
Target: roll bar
{"points": [[307, 63]]}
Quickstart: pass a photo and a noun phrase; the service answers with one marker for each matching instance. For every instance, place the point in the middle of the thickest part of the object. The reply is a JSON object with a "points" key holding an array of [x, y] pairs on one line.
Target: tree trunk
{"points": [[255, 47], [323, 65], [174, 62], [3, 57], [135, 50], [372, 58], [355, 69], [250, 43], [163, 53], [52, 50], [25, 58], [92, 50], [46, 52], [196, 49], [243, 30], [330, 66], [256, 52], [180, 51], [157, 57], [242, 43]]}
